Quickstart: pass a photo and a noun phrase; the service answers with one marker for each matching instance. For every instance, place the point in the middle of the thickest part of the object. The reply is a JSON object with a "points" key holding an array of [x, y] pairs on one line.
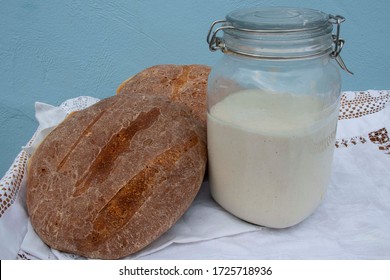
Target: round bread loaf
{"points": [[112, 178], [186, 84]]}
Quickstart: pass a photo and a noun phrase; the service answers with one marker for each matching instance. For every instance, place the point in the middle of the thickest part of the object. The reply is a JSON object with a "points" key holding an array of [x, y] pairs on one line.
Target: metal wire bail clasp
{"points": [[216, 43], [338, 42]]}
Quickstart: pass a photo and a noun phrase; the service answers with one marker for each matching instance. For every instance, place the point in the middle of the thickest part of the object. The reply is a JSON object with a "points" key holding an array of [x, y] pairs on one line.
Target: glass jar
{"points": [[272, 105]]}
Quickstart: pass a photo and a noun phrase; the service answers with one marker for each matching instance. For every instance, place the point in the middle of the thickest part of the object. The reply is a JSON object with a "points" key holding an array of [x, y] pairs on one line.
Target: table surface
{"points": [[352, 222]]}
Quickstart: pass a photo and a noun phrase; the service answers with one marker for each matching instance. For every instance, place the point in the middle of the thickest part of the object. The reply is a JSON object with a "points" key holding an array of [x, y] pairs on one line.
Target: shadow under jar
{"points": [[273, 101]]}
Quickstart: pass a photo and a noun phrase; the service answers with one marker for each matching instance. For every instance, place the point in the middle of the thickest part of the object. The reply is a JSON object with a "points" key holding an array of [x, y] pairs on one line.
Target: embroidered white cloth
{"points": [[353, 222]]}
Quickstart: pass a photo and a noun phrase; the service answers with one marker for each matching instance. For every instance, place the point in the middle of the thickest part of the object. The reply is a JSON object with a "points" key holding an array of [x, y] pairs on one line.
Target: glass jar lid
{"points": [[278, 33], [278, 19]]}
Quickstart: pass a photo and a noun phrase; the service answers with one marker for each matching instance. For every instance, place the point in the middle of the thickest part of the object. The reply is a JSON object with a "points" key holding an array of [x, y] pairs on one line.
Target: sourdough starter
{"points": [[270, 155]]}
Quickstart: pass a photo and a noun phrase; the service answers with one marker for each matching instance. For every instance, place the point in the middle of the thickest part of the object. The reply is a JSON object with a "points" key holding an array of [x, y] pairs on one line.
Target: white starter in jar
{"points": [[270, 155]]}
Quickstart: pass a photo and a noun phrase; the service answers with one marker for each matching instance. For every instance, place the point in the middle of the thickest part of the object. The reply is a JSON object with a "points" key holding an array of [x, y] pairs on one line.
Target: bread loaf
{"points": [[186, 84], [112, 178]]}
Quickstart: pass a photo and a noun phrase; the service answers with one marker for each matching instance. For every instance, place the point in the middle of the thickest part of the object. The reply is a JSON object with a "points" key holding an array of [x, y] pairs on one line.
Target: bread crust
{"points": [[186, 84], [112, 178]]}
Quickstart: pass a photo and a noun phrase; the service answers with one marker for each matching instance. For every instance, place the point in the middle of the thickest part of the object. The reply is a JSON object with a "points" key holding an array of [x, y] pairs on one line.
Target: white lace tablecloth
{"points": [[353, 222]]}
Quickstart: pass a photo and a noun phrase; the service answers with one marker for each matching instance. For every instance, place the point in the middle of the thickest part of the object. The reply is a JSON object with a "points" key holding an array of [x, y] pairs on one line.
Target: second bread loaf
{"points": [[186, 84]]}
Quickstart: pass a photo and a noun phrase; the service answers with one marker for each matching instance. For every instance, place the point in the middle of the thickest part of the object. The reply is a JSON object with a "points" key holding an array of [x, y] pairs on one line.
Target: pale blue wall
{"points": [[54, 50]]}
